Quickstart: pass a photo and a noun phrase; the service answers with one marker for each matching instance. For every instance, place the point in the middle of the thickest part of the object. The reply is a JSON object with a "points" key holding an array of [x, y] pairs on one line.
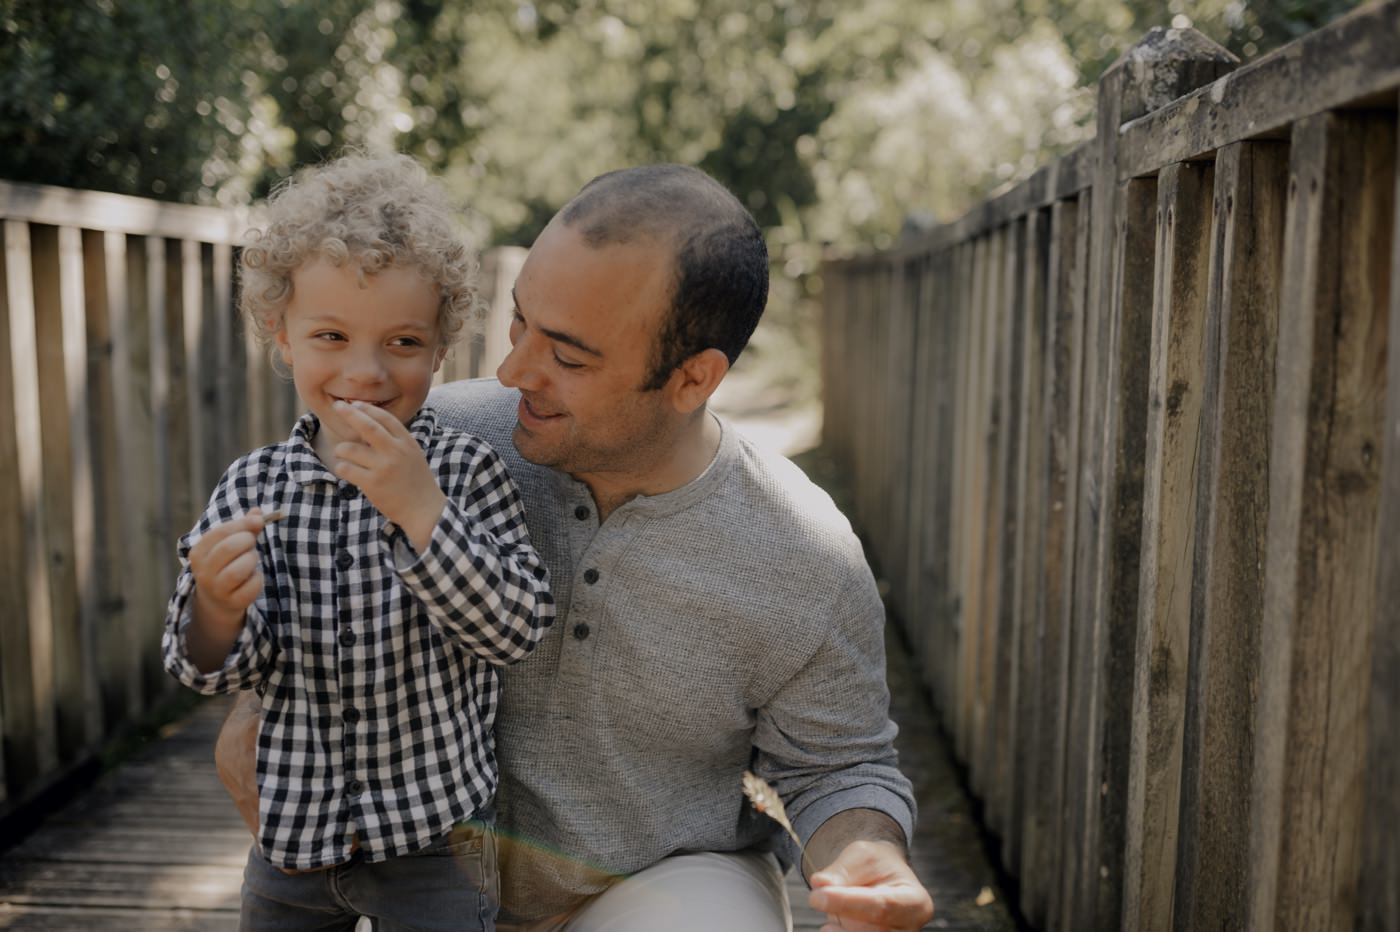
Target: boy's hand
{"points": [[390, 468], [228, 578]]}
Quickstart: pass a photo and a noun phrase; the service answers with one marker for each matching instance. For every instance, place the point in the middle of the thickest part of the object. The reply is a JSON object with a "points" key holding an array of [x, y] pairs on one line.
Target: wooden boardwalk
{"points": [[156, 845]]}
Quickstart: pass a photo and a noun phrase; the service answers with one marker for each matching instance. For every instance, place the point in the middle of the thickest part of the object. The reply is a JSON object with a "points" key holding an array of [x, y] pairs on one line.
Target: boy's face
{"points": [[344, 340]]}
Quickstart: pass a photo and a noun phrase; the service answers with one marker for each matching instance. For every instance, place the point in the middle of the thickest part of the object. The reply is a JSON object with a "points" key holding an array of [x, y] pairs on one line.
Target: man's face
{"points": [[585, 324]]}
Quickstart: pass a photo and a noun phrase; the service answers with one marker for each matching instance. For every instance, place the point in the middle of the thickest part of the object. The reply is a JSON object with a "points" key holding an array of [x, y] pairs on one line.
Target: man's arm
{"points": [[864, 878], [235, 755]]}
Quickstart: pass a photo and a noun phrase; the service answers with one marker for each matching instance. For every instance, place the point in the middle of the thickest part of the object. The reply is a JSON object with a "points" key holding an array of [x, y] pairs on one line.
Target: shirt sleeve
{"points": [[251, 654], [825, 741], [479, 579]]}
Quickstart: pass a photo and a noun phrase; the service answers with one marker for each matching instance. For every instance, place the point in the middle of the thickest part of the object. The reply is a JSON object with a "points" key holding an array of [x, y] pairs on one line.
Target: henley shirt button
{"points": [[590, 576], [354, 787], [345, 559], [351, 715], [347, 638], [581, 631], [581, 512]]}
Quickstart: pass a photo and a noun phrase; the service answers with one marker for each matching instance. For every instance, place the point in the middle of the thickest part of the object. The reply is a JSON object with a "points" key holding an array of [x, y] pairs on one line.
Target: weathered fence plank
{"points": [[1176, 377], [1069, 245], [34, 743], [1227, 583], [1002, 570], [1031, 485], [61, 336], [1319, 604], [1380, 857]]}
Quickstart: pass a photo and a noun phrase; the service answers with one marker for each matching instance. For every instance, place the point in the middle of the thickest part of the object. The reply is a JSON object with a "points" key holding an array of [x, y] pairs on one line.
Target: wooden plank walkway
{"points": [[156, 845]]}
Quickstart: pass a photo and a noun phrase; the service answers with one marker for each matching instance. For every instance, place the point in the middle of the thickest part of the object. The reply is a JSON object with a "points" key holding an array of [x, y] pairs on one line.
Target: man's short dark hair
{"points": [[721, 275]]}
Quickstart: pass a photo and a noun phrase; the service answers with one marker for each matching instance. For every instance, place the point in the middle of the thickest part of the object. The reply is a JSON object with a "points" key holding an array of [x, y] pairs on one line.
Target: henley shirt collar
{"points": [[676, 500]]}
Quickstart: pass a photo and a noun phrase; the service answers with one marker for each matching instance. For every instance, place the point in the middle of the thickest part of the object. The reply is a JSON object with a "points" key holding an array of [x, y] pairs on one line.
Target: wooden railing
{"points": [[1126, 443], [127, 384]]}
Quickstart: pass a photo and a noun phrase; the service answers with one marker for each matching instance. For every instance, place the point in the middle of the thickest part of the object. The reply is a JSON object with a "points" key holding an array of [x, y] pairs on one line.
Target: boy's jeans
{"points": [[450, 885]]}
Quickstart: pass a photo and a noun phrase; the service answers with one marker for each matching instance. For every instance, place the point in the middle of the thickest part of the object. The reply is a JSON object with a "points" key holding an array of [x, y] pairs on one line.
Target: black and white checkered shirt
{"points": [[375, 663]]}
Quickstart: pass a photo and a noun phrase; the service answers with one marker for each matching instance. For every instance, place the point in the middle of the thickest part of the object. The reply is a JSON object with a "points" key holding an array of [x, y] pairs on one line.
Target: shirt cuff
{"points": [[229, 675], [869, 796]]}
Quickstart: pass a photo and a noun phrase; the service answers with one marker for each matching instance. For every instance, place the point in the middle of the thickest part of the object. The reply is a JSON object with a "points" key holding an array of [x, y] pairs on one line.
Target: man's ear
{"points": [[695, 380]]}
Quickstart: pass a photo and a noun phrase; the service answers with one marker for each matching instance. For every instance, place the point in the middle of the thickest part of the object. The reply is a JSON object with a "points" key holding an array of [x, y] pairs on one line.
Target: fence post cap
{"points": [[1164, 65]]}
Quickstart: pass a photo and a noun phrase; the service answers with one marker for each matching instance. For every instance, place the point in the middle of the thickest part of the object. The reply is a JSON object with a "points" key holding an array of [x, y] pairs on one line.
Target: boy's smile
{"points": [[346, 339]]}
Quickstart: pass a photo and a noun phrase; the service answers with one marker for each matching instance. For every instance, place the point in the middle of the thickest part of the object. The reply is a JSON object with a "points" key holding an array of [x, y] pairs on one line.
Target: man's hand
{"points": [[236, 756], [388, 465], [868, 886], [227, 576], [871, 888]]}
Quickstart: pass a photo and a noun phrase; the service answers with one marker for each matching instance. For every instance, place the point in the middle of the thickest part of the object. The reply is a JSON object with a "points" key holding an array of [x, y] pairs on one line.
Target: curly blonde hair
{"points": [[376, 212]]}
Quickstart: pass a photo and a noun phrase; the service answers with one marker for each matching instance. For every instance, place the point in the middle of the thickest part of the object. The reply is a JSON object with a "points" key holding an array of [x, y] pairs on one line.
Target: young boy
{"points": [[366, 575]]}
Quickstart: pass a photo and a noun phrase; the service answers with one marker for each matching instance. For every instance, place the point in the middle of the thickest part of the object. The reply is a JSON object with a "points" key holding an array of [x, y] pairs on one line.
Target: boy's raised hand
{"points": [[390, 468], [228, 578]]}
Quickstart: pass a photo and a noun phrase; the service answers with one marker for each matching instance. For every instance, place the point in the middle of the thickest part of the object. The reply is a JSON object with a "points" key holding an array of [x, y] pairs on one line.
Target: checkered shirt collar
{"points": [[304, 466]]}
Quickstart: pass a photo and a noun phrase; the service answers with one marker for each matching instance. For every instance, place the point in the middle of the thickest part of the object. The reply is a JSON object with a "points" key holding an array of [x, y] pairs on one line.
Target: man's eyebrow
{"points": [[559, 336]]}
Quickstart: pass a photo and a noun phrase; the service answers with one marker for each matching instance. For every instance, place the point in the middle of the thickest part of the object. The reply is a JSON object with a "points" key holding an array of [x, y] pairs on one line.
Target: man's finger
{"points": [[892, 906]]}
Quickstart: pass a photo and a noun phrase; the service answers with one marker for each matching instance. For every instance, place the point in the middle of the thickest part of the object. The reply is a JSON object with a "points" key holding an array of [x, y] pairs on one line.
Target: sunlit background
{"points": [[838, 123]]}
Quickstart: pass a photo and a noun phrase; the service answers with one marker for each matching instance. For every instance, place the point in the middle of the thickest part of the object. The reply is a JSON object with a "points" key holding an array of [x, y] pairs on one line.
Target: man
{"points": [[715, 613]]}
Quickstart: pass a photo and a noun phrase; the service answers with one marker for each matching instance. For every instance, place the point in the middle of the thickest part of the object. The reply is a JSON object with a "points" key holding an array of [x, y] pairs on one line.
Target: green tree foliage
{"points": [[833, 121]]}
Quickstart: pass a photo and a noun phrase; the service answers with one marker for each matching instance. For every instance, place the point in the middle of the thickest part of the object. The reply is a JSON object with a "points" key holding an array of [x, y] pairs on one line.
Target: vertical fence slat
{"points": [[180, 307], [1227, 584], [952, 704], [987, 513], [154, 370], [1031, 479], [1003, 671], [972, 519], [84, 487], [57, 483], [25, 659], [40, 753], [1176, 377], [1380, 859], [1069, 245], [1319, 604]]}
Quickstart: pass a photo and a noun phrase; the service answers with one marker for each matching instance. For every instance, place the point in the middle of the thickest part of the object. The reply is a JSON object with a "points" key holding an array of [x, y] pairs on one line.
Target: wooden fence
{"points": [[127, 384], [1117, 438]]}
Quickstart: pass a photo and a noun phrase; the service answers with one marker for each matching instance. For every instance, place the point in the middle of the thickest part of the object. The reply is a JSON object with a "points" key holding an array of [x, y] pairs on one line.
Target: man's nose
{"points": [[517, 371]]}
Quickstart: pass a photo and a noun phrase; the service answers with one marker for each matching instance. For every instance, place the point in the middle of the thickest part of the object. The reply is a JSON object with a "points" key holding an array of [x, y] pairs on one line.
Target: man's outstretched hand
{"points": [[235, 755], [871, 888], [869, 885]]}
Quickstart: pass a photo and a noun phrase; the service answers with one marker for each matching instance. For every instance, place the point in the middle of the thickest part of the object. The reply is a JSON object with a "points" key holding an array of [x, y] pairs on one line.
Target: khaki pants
{"points": [[740, 892]]}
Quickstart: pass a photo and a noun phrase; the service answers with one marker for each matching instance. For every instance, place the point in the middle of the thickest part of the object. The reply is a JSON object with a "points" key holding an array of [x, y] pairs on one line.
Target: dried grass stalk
{"points": [[272, 517], [766, 800]]}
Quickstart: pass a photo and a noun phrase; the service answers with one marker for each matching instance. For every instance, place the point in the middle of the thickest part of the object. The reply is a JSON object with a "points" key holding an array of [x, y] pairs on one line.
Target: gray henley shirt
{"points": [[729, 624]]}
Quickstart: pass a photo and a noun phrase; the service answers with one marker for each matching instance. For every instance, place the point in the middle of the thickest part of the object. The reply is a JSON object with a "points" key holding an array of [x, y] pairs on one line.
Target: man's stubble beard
{"points": [[637, 453]]}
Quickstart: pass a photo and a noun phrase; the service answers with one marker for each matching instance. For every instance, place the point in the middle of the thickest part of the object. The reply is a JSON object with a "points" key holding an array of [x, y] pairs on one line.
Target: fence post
{"points": [[1163, 66]]}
